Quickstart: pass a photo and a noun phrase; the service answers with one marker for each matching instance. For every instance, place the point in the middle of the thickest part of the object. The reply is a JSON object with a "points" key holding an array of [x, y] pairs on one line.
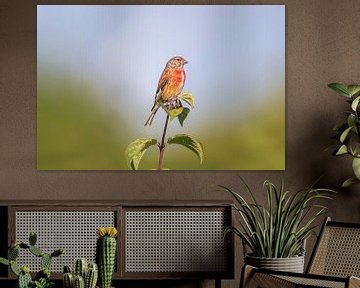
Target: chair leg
{"points": [[217, 283], [246, 273]]}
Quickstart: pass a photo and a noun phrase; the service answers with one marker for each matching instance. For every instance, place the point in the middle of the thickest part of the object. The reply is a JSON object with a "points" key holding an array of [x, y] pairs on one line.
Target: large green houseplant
{"points": [[279, 229], [348, 132]]}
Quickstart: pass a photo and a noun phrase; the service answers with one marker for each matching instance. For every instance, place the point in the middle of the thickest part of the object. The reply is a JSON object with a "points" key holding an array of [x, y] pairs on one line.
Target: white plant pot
{"points": [[291, 264]]}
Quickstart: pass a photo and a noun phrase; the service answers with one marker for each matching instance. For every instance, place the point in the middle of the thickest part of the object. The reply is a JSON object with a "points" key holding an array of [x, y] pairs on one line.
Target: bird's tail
{"points": [[152, 114]]}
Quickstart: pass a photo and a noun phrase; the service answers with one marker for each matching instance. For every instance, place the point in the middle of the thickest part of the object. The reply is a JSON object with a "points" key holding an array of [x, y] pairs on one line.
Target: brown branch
{"points": [[162, 144]]}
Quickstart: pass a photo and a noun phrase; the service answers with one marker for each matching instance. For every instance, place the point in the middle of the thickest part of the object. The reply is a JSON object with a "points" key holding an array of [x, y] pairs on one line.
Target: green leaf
{"points": [[188, 98], [190, 143], [173, 113], [345, 134], [4, 261], [356, 167], [353, 89], [135, 151], [340, 88], [349, 182], [342, 150], [183, 115], [14, 268], [45, 261], [355, 103], [13, 253], [354, 145], [36, 251], [351, 120]]}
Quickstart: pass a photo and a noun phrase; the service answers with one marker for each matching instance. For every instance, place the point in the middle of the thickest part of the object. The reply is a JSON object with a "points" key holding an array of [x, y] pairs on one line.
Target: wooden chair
{"points": [[335, 262]]}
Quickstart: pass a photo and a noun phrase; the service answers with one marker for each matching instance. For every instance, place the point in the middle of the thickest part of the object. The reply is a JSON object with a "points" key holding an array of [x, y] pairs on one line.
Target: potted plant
{"points": [[276, 233], [42, 278], [84, 274], [348, 132]]}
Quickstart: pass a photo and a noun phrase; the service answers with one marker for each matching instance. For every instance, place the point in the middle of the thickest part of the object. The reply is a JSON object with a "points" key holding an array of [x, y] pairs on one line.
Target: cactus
{"points": [[42, 278], [80, 268], [88, 273], [13, 253], [32, 238], [79, 282], [68, 280], [24, 245], [106, 254], [91, 276], [67, 269], [36, 251], [57, 253], [45, 261], [14, 268], [24, 280]]}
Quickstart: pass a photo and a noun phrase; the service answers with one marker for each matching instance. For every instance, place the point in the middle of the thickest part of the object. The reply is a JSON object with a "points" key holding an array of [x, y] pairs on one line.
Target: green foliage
{"points": [[43, 283], [42, 278], [345, 90], [188, 98], [279, 229], [181, 117], [175, 112], [4, 261], [351, 181], [348, 131], [136, 150], [188, 142]]}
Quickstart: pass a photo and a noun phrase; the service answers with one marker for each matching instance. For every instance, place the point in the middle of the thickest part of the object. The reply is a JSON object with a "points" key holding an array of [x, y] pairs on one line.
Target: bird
{"points": [[170, 85]]}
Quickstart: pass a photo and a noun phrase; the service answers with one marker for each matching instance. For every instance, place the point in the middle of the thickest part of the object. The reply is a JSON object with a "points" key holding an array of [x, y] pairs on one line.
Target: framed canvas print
{"points": [[158, 87]]}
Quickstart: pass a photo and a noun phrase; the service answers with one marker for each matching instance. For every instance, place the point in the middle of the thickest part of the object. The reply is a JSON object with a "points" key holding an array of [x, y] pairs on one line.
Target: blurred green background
{"points": [[98, 68]]}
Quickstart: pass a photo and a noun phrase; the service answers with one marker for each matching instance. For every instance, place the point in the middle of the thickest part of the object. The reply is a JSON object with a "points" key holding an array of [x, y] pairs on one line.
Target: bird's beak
{"points": [[185, 61]]}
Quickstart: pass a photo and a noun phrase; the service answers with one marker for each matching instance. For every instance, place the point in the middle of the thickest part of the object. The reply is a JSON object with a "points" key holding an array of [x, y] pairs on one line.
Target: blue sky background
{"points": [[236, 60]]}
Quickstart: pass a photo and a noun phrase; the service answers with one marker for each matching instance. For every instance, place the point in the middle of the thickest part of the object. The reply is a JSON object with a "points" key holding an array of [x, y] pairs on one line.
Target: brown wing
{"points": [[162, 82]]}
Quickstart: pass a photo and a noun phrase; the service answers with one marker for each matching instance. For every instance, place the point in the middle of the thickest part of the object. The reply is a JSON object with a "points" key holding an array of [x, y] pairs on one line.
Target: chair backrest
{"points": [[337, 251]]}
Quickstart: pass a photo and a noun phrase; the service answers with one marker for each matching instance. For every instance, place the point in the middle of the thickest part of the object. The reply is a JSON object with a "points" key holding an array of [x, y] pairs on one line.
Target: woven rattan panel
{"points": [[311, 282], [75, 231], [175, 241], [338, 253]]}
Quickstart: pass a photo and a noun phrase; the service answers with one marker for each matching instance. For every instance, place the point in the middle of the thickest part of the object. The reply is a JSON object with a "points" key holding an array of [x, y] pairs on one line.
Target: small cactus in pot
{"points": [[85, 275], [106, 254]]}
